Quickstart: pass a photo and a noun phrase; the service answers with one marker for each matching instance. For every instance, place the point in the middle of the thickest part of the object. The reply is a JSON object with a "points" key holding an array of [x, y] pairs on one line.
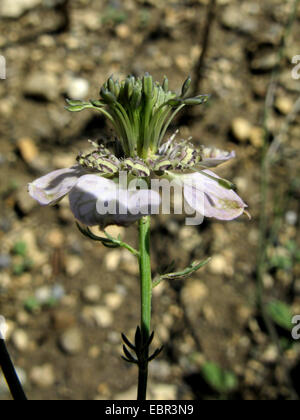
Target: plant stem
{"points": [[146, 294]]}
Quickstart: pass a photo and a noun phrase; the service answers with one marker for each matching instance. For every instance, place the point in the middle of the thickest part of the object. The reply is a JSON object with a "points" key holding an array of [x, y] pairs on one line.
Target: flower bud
{"points": [[186, 87], [129, 84], [198, 100], [136, 98], [108, 96], [111, 85], [148, 85], [165, 84]]}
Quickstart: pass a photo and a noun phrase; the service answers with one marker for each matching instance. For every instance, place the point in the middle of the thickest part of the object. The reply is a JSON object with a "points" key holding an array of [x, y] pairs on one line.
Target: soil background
{"points": [[67, 300]]}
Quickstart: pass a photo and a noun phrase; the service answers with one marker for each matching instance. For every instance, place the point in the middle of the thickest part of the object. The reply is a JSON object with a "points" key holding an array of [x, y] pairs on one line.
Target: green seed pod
{"points": [[186, 86]]}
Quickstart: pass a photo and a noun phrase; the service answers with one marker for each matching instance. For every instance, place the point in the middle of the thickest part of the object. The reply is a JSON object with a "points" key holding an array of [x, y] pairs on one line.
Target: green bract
{"points": [[140, 111]]}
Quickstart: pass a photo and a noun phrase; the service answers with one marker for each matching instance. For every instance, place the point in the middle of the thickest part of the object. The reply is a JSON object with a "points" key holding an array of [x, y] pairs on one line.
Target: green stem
{"points": [[146, 294]]}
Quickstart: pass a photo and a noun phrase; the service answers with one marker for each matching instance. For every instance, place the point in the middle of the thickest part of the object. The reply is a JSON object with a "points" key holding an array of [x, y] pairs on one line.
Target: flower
{"points": [[139, 110]]}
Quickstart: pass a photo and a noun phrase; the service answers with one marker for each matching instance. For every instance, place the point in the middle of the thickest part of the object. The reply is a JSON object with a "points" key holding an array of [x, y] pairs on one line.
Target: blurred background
{"points": [[226, 330]]}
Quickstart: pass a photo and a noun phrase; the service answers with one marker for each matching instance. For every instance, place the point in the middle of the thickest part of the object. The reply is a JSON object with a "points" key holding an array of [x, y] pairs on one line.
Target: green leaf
{"points": [[195, 266], [114, 15], [281, 314], [20, 248], [281, 261], [221, 380], [32, 304]]}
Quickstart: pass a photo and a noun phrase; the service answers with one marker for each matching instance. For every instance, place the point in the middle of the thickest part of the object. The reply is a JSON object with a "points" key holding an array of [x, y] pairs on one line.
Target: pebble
{"points": [[91, 293], [5, 261], [77, 88], [163, 392], [39, 258], [28, 150], [5, 281], [291, 217], [270, 355], [58, 292], [73, 265], [55, 238], [129, 263], [194, 292], [112, 260], [94, 352], [99, 315], [115, 231], [63, 160], [268, 281], [43, 294], [284, 105], [24, 202], [232, 18], [257, 137], [22, 318], [183, 62], [241, 129], [71, 341], [42, 85], [129, 394], [264, 62], [189, 238], [42, 376], [113, 300], [123, 31], [160, 370], [20, 340], [219, 265], [14, 9]]}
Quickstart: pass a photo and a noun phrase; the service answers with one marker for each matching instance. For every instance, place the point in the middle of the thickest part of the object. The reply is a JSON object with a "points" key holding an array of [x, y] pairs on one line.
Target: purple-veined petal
{"points": [[51, 188], [212, 157], [207, 197], [98, 201]]}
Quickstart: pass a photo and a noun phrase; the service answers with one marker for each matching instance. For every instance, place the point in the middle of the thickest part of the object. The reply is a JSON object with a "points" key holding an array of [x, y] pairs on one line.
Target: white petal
{"points": [[209, 198], [212, 157], [51, 188], [98, 201]]}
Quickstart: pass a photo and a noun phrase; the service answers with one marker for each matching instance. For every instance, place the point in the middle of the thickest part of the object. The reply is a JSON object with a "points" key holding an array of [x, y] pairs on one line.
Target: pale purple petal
{"points": [[207, 197], [98, 201], [51, 188], [212, 157]]}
